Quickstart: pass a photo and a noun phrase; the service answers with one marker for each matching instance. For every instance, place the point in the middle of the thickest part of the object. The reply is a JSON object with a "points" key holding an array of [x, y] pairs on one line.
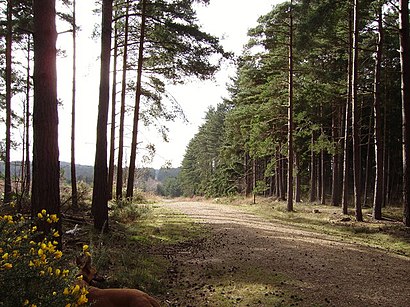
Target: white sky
{"points": [[229, 19]]}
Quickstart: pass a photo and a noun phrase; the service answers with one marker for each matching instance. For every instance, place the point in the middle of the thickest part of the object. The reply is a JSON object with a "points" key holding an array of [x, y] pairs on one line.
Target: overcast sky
{"points": [[227, 19]]}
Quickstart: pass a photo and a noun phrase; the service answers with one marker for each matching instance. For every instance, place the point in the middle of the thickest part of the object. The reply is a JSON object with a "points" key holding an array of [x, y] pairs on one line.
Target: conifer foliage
{"points": [[345, 62]]}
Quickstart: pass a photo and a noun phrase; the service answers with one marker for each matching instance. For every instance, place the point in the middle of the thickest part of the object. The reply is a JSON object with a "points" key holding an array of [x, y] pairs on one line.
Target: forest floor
{"points": [[247, 259]]}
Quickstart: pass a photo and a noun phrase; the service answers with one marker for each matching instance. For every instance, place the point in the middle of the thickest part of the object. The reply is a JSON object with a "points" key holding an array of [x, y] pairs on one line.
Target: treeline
{"points": [[314, 113]]}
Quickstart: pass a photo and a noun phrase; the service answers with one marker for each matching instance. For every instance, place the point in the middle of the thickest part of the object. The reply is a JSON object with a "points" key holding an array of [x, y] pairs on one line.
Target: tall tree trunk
{"points": [[405, 96], [247, 182], [298, 192], [113, 111], [120, 176], [27, 169], [336, 120], [254, 179], [290, 114], [74, 200], [319, 176], [322, 178], [355, 116], [346, 147], [277, 173], [313, 178], [322, 167], [131, 171], [378, 134], [367, 169], [46, 168], [100, 195], [385, 159], [9, 39]]}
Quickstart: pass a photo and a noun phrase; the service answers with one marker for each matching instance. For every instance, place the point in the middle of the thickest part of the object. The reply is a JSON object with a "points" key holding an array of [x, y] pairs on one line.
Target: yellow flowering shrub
{"points": [[32, 272]]}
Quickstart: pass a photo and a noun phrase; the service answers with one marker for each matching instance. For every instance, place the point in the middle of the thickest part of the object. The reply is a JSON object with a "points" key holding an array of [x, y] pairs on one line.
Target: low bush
{"points": [[32, 270]]}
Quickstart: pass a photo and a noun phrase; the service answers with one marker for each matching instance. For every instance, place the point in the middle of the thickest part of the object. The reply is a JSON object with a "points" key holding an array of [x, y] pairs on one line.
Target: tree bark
{"points": [[367, 168], [355, 116], [74, 200], [290, 114], [277, 174], [120, 181], [313, 179], [27, 169], [298, 191], [46, 169], [346, 147], [100, 195], [131, 171], [113, 111], [336, 120], [405, 96], [378, 134], [9, 39]]}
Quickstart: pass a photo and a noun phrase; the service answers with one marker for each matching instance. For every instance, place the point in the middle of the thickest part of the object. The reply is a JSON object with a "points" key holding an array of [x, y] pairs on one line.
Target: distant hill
{"points": [[86, 172]]}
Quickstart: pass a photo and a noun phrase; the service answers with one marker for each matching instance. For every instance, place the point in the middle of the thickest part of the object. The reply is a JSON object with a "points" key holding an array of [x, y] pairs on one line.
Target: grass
{"points": [[388, 234], [164, 226], [131, 253], [249, 287]]}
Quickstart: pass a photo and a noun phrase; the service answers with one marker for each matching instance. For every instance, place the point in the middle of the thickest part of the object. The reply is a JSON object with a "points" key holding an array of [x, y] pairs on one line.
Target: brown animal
{"points": [[111, 297]]}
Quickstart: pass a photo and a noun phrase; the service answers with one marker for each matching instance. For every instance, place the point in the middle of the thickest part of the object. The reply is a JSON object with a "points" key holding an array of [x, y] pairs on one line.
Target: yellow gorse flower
{"points": [[54, 218], [76, 289], [8, 266], [82, 299], [58, 254]]}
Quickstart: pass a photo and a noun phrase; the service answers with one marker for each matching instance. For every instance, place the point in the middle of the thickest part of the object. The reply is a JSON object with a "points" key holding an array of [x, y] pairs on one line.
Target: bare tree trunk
{"points": [[336, 120], [131, 171], [290, 114], [385, 160], [100, 195], [346, 151], [313, 178], [298, 192], [74, 200], [46, 168], [254, 180], [246, 175], [405, 95], [27, 169], [277, 173], [282, 190], [367, 168], [355, 117], [378, 137], [319, 176], [9, 39], [119, 184], [323, 177], [113, 111]]}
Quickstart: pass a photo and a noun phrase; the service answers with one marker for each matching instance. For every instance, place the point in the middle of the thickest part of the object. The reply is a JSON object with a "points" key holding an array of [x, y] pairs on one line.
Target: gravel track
{"points": [[307, 268]]}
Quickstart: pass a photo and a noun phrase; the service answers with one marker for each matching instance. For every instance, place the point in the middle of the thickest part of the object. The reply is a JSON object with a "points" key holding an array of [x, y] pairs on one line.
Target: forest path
{"points": [[249, 261]]}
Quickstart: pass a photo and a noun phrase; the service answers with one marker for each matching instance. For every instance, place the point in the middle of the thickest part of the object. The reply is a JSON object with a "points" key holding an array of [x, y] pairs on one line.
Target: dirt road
{"points": [[248, 261]]}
